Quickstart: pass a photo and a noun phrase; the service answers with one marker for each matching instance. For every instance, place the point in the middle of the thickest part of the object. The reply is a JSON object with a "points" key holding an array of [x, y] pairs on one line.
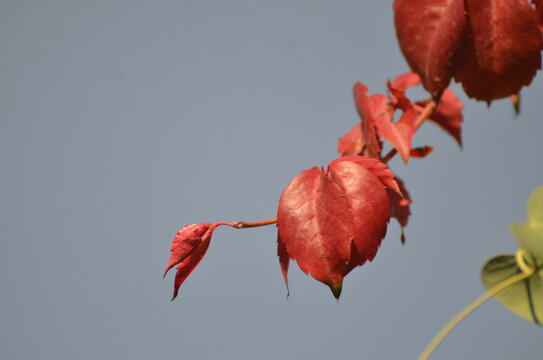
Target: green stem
{"points": [[474, 305]]}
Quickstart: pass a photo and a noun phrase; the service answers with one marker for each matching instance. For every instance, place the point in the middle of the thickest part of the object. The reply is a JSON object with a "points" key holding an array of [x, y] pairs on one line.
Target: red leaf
{"points": [[331, 222], [448, 114], [405, 81], [188, 248], [399, 206], [352, 143], [504, 53], [376, 167], [185, 242], [364, 108], [399, 133], [421, 152], [368, 202], [432, 34]]}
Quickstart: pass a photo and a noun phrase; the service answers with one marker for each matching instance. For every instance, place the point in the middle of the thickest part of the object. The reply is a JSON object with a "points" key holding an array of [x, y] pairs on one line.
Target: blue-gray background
{"points": [[121, 121]]}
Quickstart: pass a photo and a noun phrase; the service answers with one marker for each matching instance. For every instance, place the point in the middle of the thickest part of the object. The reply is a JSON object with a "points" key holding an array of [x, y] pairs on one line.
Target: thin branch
{"points": [[425, 115], [244, 224]]}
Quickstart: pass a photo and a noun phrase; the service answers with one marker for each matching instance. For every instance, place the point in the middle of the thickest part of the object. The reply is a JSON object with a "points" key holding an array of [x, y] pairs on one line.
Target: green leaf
{"points": [[525, 297], [530, 234]]}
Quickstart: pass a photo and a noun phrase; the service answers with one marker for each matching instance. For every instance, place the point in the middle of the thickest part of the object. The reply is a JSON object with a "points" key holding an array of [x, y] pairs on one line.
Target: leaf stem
{"points": [[468, 309], [244, 224], [425, 115]]}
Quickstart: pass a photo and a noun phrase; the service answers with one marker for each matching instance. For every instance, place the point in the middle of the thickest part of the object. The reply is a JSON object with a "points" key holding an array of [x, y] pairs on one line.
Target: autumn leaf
{"points": [[504, 52], [330, 222], [405, 81], [432, 34], [421, 152], [352, 143], [399, 133], [376, 167], [363, 105], [189, 247]]}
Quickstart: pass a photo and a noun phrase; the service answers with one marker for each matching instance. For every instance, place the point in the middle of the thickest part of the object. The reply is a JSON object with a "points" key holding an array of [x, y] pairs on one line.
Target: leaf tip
{"points": [[336, 290], [515, 101]]}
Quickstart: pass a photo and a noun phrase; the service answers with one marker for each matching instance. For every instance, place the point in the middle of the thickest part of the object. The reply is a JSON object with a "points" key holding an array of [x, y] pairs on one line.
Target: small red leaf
{"points": [[448, 114], [352, 143], [189, 247], [185, 242], [399, 133], [331, 222], [504, 53], [421, 152], [399, 206], [364, 108], [405, 81], [186, 266], [432, 34]]}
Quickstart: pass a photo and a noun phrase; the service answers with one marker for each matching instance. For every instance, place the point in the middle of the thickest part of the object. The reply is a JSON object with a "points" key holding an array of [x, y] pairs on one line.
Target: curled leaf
{"points": [[352, 143], [364, 107], [405, 81], [189, 247], [525, 297], [421, 152], [398, 133]]}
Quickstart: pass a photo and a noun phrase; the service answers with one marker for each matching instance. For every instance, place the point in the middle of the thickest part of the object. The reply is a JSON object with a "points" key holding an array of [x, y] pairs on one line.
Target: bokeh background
{"points": [[121, 121]]}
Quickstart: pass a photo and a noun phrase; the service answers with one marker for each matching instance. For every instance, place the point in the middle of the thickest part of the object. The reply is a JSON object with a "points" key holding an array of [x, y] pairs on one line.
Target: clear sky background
{"points": [[121, 121]]}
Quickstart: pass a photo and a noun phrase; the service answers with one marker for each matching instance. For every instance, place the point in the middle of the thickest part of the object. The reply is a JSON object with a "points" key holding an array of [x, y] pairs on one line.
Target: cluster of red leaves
{"points": [[333, 221], [493, 47]]}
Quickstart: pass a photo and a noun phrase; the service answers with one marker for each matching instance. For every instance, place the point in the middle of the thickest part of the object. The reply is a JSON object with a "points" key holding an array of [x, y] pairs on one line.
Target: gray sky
{"points": [[121, 121]]}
